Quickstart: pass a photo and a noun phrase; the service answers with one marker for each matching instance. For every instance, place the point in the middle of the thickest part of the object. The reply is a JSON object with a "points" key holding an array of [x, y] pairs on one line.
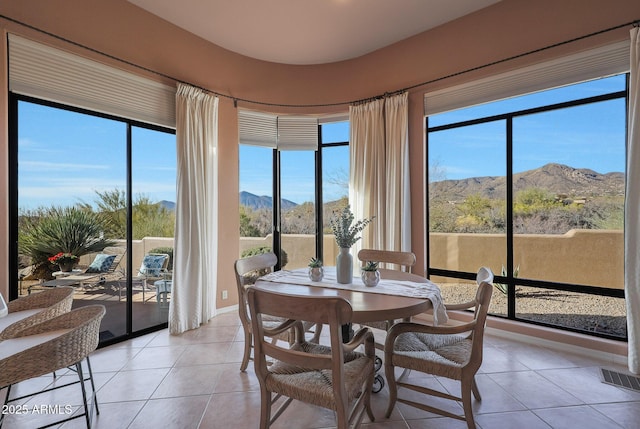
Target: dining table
{"points": [[398, 295]]}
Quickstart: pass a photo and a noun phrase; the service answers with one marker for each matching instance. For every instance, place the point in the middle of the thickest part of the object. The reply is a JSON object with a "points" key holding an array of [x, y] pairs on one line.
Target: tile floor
{"points": [[193, 381]]}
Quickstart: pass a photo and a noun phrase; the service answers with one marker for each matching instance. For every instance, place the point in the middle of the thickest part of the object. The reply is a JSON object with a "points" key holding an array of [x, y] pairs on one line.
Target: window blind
{"points": [[281, 132], [40, 71], [587, 65]]}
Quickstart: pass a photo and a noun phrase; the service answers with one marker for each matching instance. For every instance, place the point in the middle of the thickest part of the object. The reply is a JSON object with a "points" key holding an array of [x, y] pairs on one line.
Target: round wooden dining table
{"points": [[367, 306]]}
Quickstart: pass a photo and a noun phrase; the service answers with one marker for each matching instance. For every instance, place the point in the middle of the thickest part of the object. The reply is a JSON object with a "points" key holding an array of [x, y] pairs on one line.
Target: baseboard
{"points": [[228, 309]]}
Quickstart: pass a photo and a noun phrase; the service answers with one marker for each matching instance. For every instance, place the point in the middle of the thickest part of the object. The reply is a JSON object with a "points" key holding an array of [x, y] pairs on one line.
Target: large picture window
{"points": [[533, 187], [311, 184], [94, 185]]}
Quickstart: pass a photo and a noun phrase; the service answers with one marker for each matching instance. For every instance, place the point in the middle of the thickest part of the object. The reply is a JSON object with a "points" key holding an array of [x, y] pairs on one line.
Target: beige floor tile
{"points": [[183, 413], [583, 417]]}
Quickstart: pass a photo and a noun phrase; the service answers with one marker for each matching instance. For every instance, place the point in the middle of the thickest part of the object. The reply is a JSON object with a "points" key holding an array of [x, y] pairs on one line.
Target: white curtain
{"points": [[193, 298], [632, 209], [379, 172]]}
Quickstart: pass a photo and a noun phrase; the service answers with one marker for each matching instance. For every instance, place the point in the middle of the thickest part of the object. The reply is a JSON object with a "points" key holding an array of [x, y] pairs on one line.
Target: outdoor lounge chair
{"points": [[154, 267], [102, 269]]}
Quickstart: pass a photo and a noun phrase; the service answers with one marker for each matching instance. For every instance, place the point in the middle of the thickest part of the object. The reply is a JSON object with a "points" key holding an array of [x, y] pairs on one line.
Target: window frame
{"points": [[509, 279]]}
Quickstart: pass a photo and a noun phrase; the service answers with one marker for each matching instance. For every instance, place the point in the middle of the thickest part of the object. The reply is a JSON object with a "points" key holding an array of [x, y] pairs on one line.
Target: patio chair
{"points": [[58, 343], [154, 266], [247, 271], [454, 352], [102, 269], [335, 377], [33, 309]]}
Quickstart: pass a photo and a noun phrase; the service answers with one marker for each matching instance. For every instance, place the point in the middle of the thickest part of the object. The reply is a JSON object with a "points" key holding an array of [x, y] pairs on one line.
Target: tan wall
{"points": [[593, 258], [122, 30], [586, 257]]}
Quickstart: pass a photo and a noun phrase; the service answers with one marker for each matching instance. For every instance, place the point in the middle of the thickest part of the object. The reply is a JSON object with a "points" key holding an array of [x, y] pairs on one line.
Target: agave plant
{"points": [[315, 263], [503, 287], [370, 266], [69, 230]]}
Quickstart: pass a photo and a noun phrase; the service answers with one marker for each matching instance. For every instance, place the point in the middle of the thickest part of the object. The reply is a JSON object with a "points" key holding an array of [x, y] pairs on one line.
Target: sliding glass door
{"points": [[101, 189]]}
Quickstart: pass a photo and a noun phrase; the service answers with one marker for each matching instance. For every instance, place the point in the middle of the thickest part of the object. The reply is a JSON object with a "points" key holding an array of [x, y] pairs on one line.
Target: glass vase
{"points": [[316, 273], [370, 278]]}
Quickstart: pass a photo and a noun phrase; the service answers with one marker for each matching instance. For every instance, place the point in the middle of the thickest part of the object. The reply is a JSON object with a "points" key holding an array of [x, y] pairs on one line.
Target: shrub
{"points": [[68, 230], [284, 258]]}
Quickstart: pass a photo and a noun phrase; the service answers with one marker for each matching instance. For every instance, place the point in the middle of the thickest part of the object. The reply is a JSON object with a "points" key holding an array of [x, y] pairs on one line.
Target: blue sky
{"points": [[589, 136], [65, 157]]}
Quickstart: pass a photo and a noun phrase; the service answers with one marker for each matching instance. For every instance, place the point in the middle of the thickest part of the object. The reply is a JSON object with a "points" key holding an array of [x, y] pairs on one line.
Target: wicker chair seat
{"points": [[61, 342], [315, 386], [74, 336], [421, 351]]}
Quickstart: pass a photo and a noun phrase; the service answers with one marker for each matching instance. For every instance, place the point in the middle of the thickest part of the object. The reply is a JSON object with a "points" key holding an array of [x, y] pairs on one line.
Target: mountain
{"points": [[169, 205], [559, 179], [262, 202]]}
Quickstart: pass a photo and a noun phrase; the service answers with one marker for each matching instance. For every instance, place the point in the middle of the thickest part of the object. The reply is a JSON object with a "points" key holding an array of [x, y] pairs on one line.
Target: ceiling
{"points": [[308, 31]]}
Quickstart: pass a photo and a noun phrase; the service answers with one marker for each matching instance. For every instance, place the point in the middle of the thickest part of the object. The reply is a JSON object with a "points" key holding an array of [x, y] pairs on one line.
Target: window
{"points": [[305, 180], [533, 187], [80, 171]]}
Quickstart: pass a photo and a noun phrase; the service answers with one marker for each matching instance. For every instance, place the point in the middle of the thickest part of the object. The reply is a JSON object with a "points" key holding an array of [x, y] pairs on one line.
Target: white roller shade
{"points": [[52, 74], [281, 132], [587, 65], [257, 128], [297, 133]]}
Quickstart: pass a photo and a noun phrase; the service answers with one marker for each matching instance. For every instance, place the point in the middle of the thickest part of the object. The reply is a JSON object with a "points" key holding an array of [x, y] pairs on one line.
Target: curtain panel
{"points": [[632, 208], [379, 172], [193, 296]]}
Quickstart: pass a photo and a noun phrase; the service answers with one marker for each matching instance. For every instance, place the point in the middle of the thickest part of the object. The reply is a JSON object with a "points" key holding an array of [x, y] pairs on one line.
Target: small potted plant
{"points": [[66, 261], [370, 274], [316, 272]]}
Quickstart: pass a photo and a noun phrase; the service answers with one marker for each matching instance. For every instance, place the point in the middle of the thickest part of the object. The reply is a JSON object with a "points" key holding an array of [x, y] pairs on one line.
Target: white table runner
{"points": [[427, 290]]}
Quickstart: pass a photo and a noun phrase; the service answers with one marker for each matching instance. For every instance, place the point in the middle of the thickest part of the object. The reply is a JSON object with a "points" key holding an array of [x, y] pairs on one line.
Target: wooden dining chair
{"points": [[390, 259], [334, 377], [453, 352], [247, 270], [393, 261]]}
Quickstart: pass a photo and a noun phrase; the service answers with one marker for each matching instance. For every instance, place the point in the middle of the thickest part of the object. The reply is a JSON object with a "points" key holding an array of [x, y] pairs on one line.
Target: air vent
{"points": [[621, 380]]}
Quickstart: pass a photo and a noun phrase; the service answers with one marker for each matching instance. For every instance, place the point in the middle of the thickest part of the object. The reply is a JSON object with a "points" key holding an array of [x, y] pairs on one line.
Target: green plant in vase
{"points": [[346, 233], [370, 274], [316, 272]]}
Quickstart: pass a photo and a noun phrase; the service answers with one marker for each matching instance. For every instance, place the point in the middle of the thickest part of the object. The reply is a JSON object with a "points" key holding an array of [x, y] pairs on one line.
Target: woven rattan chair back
{"points": [[57, 343], [40, 306], [453, 352], [335, 377]]}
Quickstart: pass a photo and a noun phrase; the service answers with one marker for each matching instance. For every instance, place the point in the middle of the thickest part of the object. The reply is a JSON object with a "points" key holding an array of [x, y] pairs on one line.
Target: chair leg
{"points": [[466, 387], [391, 382], [265, 408], [93, 386], [87, 414], [247, 351], [6, 400], [474, 389]]}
